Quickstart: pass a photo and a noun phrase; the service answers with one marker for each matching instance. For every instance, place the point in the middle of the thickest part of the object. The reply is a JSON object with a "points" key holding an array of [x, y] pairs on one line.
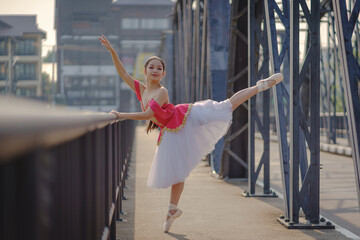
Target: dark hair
{"points": [[151, 126]]}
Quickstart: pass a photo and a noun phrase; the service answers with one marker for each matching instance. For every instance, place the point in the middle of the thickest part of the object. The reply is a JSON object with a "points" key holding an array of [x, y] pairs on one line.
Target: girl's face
{"points": [[154, 71]]}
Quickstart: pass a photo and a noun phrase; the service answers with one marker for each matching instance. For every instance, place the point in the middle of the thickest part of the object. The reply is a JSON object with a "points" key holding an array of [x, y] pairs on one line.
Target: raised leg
{"points": [[243, 95]]}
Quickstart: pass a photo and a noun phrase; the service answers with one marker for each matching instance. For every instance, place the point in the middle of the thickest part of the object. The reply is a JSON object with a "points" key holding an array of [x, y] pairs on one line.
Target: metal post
{"points": [[255, 39], [350, 71], [279, 92], [234, 160], [252, 102], [203, 50], [294, 112]]}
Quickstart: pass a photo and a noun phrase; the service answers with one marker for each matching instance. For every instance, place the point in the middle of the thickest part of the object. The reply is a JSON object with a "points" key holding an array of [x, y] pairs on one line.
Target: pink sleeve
{"points": [[137, 90], [158, 110]]}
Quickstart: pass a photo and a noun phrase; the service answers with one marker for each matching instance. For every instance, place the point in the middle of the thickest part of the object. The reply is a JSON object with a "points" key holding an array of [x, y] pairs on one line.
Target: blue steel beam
{"points": [[349, 69], [234, 161], [278, 93], [295, 84], [308, 196], [218, 25], [313, 202], [256, 37]]}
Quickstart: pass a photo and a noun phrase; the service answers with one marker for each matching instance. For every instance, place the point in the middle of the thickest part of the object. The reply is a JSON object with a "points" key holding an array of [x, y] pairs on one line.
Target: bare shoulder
{"points": [[163, 90], [163, 93], [162, 96]]}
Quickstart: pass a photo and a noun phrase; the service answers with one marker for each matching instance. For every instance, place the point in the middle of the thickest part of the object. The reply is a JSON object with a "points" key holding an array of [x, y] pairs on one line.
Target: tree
{"points": [[48, 57], [46, 86]]}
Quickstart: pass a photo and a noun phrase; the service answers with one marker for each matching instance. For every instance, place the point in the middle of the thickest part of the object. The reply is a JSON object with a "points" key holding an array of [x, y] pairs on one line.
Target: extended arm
{"points": [[136, 115], [161, 99], [118, 64]]}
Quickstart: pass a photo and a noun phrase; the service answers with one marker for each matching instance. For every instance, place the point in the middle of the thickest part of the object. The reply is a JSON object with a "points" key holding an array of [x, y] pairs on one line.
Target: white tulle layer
{"points": [[179, 152]]}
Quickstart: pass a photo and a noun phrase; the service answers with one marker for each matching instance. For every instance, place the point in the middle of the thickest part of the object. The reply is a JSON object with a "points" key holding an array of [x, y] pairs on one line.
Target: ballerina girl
{"points": [[188, 132]]}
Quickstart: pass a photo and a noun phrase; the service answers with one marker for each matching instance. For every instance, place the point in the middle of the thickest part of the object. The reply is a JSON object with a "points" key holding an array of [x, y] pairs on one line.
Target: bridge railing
{"points": [[62, 173]]}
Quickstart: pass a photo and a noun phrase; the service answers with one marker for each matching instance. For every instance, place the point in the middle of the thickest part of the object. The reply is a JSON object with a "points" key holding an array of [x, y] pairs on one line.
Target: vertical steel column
{"points": [[197, 50], [194, 23], [185, 50], [307, 197], [279, 92], [252, 102], [350, 71], [257, 38], [218, 31], [314, 144], [294, 112], [203, 50], [234, 160]]}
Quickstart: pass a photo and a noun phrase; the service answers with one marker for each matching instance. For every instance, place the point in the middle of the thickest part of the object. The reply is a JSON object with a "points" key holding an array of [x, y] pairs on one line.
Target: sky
{"points": [[44, 9]]}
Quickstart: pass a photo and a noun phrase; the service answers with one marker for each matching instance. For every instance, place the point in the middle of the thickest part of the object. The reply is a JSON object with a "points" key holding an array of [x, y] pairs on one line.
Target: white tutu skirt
{"points": [[179, 152]]}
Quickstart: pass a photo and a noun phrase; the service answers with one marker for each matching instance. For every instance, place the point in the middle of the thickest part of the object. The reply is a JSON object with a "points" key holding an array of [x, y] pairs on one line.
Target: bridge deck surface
{"points": [[212, 208]]}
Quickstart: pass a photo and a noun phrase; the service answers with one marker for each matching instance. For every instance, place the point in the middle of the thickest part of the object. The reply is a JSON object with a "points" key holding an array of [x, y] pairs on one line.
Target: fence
{"points": [[62, 173]]}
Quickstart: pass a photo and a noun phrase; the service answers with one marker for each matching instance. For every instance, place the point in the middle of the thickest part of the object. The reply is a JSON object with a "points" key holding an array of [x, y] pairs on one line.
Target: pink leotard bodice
{"points": [[168, 117]]}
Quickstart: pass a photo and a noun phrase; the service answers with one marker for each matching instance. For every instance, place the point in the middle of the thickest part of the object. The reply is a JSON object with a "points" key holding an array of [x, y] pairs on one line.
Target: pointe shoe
{"points": [[172, 217], [265, 84]]}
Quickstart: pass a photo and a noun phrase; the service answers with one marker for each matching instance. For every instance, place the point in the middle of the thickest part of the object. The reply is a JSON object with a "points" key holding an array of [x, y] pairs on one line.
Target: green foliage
{"points": [[46, 86], [48, 57]]}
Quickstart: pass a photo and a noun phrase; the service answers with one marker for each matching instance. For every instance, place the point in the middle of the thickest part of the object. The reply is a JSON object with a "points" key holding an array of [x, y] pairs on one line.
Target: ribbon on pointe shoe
{"points": [[172, 217], [264, 84]]}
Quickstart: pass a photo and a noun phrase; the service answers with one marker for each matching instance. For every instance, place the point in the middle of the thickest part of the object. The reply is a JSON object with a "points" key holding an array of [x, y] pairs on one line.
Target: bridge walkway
{"points": [[212, 208]]}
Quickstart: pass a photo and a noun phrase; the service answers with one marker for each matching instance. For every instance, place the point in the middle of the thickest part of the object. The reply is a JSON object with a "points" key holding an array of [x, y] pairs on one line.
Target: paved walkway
{"points": [[212, 208], [338, 196]]}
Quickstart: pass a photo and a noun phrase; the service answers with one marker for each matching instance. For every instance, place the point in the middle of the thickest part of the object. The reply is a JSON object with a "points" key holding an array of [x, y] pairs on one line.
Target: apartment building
{"points": [[140, 27], [87, 77], [20, 56]]}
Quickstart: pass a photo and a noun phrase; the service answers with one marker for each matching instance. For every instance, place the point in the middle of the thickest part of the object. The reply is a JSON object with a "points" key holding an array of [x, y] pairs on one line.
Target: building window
{"points": [[2, 91], [26, 92], [145, 23], [90, 91], [140, 45], [154, 23], [3, 47], [86, 55], [3, 71], [25, 71], [25, 47], [130, 23]]}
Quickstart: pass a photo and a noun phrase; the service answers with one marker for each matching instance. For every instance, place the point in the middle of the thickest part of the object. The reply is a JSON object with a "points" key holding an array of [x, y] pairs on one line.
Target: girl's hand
{"points": [[115, 113], [106, 43]]}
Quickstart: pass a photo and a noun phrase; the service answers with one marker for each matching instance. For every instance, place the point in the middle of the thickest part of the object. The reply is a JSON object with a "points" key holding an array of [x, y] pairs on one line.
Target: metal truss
{"points": [[306, 197], [279, 92], [234, 156], [264, 39], [303, 130], [350, 71], [258, 44]]}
